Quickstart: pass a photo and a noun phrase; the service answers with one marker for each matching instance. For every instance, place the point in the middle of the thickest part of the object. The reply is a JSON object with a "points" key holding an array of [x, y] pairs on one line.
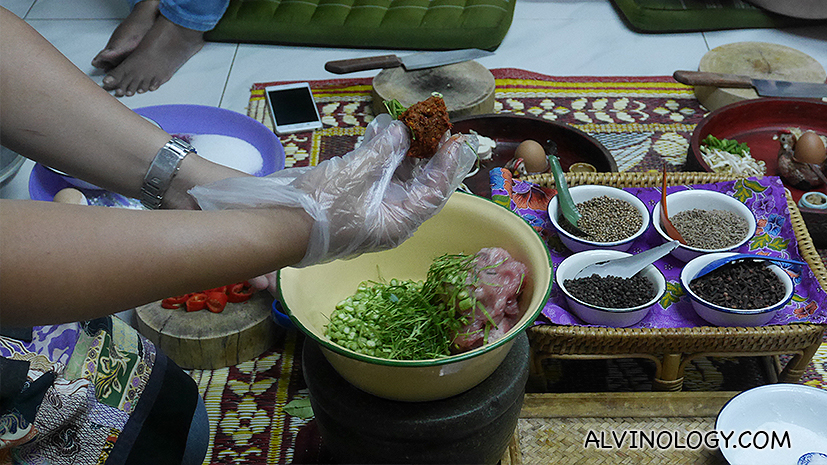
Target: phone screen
{"points": [[292, 106]]}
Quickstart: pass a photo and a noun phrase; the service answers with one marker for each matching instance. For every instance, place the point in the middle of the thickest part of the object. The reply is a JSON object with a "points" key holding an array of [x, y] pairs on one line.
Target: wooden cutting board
{"points": [[467, 87], [758, 60], [206, 340]]}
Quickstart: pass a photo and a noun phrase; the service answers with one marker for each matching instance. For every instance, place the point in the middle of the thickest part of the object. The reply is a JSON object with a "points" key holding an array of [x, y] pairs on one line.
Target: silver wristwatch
{"points": [[162, 170]]}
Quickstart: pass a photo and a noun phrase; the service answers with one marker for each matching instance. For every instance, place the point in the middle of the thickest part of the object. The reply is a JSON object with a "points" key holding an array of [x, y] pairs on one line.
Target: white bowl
{"points": [[792, 413], [599, 315], [580, 194], [702, 199], [722, 316]]}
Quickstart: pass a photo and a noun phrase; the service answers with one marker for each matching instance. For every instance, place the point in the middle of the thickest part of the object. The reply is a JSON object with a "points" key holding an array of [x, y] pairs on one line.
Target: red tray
{"points": [[573, 145], [756, 122]]}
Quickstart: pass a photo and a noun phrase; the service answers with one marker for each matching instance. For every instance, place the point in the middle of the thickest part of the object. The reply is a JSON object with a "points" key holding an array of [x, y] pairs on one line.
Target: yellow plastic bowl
{"points": [[466, 224]]}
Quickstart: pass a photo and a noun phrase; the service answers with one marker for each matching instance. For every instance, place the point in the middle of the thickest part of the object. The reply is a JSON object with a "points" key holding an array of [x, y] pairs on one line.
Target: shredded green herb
{"points": [[405, 319], [727, 145]]}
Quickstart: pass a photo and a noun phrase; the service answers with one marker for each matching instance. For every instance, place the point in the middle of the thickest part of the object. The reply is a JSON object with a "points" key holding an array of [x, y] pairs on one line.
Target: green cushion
{"points": [[403, 24], [699, 15]]}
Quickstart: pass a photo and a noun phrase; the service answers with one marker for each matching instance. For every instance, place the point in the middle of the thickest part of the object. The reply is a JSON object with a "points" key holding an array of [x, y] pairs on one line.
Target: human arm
{"points": [[66, 262], [53, 113], [63, 263]]}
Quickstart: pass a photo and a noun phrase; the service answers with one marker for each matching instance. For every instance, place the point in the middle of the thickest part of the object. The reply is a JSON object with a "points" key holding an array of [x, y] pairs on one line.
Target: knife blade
{"points": [[764, 87], [409, 62]]}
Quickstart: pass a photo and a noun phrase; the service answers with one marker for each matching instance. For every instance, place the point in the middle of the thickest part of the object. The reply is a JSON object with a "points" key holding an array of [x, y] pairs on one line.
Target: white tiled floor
{"points": [[554, 37]]}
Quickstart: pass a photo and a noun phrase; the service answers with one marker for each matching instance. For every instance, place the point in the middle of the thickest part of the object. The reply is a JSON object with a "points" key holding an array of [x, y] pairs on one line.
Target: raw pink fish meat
{"points": [[496, 282]]}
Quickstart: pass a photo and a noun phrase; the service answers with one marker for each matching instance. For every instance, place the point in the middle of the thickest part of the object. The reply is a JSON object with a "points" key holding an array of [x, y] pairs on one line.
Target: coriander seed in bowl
{"points": [[605, 219], [611, 219]]}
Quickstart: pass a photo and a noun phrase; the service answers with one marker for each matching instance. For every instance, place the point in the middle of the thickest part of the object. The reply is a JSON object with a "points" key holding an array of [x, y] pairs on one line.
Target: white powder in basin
{"points": [[228, 151]]}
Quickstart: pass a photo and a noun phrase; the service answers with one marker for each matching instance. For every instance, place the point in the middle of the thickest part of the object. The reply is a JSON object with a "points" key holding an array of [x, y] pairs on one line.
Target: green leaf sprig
{"points": [[394, 108]]}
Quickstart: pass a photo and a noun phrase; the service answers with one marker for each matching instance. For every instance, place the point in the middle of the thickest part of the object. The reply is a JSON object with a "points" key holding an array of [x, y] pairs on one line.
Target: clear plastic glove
{"points": [[371, 199]]}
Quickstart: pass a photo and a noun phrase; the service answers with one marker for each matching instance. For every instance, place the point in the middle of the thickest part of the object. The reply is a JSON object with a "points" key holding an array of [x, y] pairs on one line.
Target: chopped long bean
{"points": [[407, 320]]}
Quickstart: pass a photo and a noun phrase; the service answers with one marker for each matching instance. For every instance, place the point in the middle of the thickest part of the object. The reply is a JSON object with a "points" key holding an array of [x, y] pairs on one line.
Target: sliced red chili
{"points": [[240, 292], [175, 302], [196, 302], [216, 301], [217, 289]]}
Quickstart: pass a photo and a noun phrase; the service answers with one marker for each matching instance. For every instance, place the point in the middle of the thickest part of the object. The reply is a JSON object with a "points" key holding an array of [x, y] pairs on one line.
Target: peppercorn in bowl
{"points": [[468, 226], [709, 221], [741, 293], [610, 219], [608, 300]]}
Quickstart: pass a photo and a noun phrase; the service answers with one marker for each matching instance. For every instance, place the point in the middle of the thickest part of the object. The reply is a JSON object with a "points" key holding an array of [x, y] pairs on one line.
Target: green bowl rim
{"points": [[511, 334]]}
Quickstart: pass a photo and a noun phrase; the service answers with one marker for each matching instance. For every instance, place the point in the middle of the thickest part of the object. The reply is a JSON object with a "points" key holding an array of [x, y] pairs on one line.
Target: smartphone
{"points": [[293, 108]]}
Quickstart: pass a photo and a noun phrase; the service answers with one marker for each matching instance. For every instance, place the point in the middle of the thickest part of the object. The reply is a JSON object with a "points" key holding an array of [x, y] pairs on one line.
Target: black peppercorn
{"points": [[612, 291]]}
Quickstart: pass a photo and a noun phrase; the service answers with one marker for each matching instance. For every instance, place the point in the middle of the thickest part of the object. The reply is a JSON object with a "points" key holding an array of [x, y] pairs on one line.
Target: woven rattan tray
{"points": [[577, 428], [671, 349]]}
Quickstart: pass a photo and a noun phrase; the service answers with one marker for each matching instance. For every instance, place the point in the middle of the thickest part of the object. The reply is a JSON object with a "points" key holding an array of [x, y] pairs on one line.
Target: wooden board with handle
{"points": [[758, 60], [467, 87]]}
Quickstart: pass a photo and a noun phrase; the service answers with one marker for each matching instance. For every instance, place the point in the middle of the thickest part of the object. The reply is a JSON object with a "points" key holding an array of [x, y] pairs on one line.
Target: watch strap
{"points": [[161, 171]]}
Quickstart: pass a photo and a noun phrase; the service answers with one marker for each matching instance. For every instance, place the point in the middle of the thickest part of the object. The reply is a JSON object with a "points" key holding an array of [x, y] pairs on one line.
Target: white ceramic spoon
{"points": [[627, 267]]}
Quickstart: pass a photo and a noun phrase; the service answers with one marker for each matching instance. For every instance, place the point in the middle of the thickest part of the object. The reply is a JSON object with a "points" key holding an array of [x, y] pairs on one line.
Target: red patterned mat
{"points": [[643, 121]]}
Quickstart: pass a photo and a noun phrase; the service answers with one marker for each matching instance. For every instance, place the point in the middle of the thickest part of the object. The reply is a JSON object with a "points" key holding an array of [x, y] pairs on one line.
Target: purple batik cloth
{"points": [[774, 236]]}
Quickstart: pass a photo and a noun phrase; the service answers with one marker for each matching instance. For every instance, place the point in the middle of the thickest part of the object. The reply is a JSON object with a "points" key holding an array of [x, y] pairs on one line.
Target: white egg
{"points": [[70, 195]]}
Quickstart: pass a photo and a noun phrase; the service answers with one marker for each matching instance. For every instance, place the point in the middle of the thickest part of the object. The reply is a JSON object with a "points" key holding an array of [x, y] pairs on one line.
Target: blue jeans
{"points": [[200, 15], [199, 436]]}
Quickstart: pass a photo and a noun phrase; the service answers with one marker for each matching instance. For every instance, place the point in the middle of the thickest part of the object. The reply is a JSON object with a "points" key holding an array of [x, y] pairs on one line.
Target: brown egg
{"points": [[809, 148], [533, 155]]}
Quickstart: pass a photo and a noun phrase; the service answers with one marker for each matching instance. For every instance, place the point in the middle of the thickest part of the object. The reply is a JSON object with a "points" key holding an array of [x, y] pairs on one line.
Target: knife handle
{"points": [[361, 64], [699, 78]]}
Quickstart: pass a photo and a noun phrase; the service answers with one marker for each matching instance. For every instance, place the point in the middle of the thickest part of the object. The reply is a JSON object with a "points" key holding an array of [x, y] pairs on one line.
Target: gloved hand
{"points": [[371, 199]]}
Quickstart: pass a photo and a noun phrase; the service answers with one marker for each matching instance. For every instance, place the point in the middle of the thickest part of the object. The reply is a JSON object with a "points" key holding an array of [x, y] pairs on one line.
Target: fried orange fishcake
{"points": [[428, 121]]}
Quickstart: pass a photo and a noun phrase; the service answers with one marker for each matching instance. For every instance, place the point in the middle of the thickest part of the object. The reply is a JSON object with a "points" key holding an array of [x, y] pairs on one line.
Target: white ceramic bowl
{"points": [[580, 194], [466, 224], [701, 199], [594, 314], [794, 414], [722, 316]]}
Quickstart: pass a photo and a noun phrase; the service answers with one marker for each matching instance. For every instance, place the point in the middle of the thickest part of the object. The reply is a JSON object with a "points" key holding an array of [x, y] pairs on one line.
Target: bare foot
{"points": [[127, 35], [164, 48]]}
